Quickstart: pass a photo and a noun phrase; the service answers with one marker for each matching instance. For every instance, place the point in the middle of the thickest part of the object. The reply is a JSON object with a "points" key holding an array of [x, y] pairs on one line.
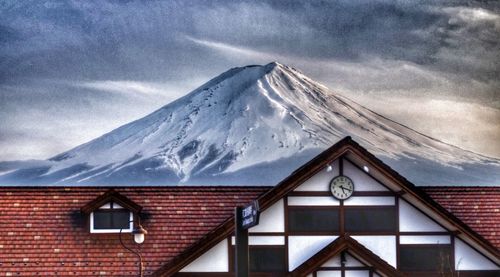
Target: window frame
{"points": [[367, 231], [109, 207], [268, 247], [439, 247], [333, 209]]}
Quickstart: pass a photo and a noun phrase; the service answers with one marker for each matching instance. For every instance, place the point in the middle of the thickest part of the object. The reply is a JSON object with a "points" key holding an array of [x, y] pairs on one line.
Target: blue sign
{"points": [[250, 215]]}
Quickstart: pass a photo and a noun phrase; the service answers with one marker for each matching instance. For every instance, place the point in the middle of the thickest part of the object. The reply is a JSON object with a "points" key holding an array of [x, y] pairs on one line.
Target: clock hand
{"points": [[342, 187]]}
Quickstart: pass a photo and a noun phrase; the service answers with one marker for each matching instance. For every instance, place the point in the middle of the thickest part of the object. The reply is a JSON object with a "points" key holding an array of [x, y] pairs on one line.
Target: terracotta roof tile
{"points": [[46, 233], [477, 207]]}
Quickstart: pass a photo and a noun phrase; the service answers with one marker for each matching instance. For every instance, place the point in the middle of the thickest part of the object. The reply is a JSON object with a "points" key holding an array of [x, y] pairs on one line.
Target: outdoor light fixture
{"points": [[329, 168], [139, 234], [366, 169]]}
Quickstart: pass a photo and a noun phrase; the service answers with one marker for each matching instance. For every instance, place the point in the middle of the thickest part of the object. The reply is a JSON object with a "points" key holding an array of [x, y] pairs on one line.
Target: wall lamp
{"points": [[139, 236]]}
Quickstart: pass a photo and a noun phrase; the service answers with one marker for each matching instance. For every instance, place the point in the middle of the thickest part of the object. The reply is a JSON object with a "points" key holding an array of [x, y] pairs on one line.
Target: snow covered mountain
{"points": [[251, 125]]}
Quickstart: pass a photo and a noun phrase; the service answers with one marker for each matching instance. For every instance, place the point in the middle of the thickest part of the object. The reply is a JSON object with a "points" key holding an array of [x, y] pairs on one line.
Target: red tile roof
{"points": [[478, 207], [43, 231]]}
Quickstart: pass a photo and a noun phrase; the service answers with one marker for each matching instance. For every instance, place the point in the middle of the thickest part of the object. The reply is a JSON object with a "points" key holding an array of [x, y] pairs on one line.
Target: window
{"points": [[111, 218], [371, 219], [313, 219], [267, 259], [425, 257]]}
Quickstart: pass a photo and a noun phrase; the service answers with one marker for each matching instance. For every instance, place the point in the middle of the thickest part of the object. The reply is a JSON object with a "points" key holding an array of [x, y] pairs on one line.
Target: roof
{"points": [[111, 196], [46, 232], [345, 147], [40, 220], [335, 248], [478, 207]]}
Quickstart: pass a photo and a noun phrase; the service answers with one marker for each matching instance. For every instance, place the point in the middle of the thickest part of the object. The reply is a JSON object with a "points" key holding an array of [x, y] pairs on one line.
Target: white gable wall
{"points": [[214, 260], [357, 273], [424, 239], [466, 258], [301, 248], [329, 273], [350, 261], [362, 181], [320, 181], [349, 265], [370, 201], [412, 220], [312, 201], [382, 246], [272, 219]]}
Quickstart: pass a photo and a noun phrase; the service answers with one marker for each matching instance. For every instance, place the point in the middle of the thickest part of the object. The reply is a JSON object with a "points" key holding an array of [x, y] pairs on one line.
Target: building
{"points": [[311, 224]]}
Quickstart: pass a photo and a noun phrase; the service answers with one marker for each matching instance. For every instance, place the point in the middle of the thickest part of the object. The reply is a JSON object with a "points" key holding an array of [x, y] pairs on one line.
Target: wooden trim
{"points": [[310, 193], [408, 188], [468, 244], [197, 249], [312, 233], [297, 207], [452, 258], [345, 267], [369, 175], [299, 176], [336, 247], [425, 233], [111, 196], [341, 165], [264, 234], [342, 218], [287, 231], [422, 212], [398, 234], [342, 263], [304, 173], [230, 253], [355, 193]]}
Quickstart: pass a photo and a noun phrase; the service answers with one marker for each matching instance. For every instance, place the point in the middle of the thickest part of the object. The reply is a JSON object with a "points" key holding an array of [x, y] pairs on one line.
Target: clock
{"points": [[341, 187]]}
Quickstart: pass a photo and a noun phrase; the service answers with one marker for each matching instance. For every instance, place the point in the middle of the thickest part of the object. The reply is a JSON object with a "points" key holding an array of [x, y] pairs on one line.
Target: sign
{"points": [[245, 217], [250, 215]]}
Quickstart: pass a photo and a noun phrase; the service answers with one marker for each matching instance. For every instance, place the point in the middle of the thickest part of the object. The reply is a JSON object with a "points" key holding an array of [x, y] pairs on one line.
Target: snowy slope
{"points": [[252, 125]]}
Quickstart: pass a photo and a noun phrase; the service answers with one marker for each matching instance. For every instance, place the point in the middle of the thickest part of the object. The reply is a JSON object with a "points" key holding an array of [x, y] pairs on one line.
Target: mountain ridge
{"points": [[243, 118]]}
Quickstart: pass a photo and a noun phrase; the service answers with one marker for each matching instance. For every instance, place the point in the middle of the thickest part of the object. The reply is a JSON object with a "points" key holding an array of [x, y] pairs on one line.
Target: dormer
{"points": [[111, 213]]}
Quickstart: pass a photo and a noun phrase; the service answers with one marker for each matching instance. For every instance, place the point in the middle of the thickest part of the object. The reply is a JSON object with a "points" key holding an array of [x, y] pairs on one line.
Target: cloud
{"points": [[74, 63], [127, 87], [471, 126], [45, 117], [472, 16]]}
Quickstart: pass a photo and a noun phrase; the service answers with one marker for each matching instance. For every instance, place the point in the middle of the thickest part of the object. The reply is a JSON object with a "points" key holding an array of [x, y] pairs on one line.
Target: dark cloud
{"points": [[53, 52], [144, 40]]}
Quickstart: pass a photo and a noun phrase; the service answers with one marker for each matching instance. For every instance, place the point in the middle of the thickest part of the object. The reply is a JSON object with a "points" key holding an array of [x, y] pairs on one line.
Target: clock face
{"points": [[341, 187]]}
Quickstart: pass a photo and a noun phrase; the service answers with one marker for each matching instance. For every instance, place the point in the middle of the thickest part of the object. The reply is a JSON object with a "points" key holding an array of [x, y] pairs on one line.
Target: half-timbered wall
{"points": [[309, 218], [346, 266]]}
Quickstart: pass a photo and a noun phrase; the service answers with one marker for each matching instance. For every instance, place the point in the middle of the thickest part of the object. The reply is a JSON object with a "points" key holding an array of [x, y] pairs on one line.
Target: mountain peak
{"points": [[251, 124], [273, 65]]}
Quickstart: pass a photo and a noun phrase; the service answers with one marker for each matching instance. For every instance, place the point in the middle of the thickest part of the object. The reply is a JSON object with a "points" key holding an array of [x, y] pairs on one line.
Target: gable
{"points": [[345, 257], [413, 220], [386, 214], [214, 260], [106, 199]]}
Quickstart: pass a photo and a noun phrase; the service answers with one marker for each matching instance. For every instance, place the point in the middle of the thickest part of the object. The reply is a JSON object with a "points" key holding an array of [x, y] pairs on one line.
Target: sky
{"points": [[71, 71]]}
